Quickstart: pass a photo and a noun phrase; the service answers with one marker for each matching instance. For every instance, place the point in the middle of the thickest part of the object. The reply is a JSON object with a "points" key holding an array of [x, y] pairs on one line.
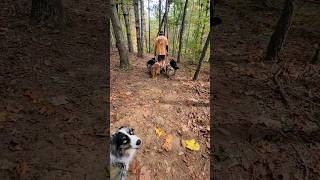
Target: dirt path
{"points": [[179, 107]]}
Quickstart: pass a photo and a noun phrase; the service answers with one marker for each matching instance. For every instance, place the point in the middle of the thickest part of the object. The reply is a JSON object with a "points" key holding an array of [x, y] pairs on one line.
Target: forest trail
{"points": [[180, 107]]}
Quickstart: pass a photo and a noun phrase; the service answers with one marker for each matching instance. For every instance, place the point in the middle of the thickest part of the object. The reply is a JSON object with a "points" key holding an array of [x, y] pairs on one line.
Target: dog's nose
{"points": [[138, 142]]}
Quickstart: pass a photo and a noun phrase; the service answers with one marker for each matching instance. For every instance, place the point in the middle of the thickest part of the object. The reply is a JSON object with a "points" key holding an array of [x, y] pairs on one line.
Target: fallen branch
{"points": [[283, 94]]}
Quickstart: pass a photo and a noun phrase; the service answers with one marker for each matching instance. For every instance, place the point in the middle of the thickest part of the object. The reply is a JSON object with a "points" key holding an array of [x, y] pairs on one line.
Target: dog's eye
{"points": [[131, 132], [125, 141]]}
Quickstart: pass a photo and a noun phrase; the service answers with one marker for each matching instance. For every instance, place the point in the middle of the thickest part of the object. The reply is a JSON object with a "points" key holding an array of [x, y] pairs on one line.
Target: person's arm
{"points": [[167, 46]]}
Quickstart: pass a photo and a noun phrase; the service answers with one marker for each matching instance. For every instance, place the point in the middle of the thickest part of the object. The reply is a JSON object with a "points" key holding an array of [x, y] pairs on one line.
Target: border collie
{"points": [[171, 68], [123, 146]]}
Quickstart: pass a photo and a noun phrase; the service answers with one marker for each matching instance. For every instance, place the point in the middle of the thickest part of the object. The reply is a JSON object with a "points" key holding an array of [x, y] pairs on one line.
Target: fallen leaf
{"points": [[191, 144], [34, 94], [159, 132], [59, 100], [46, 110], [208, 128], [145, 173], [168, 143]]}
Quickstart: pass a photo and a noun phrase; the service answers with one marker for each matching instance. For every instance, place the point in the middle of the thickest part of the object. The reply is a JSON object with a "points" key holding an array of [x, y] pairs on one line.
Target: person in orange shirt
{"points": [[161, 49]]}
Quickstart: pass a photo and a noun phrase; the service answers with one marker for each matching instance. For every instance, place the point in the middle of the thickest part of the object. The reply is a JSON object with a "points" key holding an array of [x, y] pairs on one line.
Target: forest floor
{"points": [[256, 135], [53, 94], [179, 107], [55, 128]]}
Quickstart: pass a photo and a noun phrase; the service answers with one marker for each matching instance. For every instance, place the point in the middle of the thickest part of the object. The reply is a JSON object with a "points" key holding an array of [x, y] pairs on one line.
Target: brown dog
{"points": [[155, 70]]}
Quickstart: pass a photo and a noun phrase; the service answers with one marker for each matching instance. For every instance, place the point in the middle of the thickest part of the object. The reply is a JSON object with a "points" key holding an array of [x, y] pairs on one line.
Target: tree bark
{"points": [[47, 12], [142, 24], [165, 16], [278, 37], [124, 60], [175, 32], [189, 25], [159, 12], [203, 54], [138, 34], [181, 30], [127, 23], [149, 30], [204, 25]]}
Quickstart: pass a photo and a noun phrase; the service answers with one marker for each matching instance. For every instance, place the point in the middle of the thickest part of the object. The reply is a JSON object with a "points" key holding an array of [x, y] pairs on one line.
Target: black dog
{"points": [[174, 64], [150, 63]]}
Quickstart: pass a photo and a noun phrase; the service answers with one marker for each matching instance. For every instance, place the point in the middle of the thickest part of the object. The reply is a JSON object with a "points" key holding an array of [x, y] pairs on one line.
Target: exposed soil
{"points": [[53, 89], [53, 100], [178, 106], [256, 135]]}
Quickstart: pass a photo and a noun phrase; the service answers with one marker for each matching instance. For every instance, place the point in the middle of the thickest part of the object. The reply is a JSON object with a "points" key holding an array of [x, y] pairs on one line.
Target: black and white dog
{"points": [[150, 63], [171, 68], [123, 146]]}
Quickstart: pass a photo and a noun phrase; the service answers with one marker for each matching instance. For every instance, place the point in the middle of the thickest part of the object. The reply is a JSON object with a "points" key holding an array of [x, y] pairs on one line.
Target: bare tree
{"points": [[124, 60], [165, 16], [214, 22], [203, 54], [47, 11], [279, 35], [149, 30], [204, 25], [189, 25], [127, 23], [160, 12], [137, 20], [181, 30], [142, 24]]}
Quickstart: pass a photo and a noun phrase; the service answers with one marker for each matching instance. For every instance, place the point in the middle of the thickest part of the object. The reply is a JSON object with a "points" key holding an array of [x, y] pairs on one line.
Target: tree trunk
{"points": [[47, 12], [204, 25], [203, 54], [138, 33], [159, 13], [127, 23], [278, 38], [142, 24], [175, 32], [165, 16], [189, 25], [124, 60], [113, 41], [149, 26], [181, 30]]}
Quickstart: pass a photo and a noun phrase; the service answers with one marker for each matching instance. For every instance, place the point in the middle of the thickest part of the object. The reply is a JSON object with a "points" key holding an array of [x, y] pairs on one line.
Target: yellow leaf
{"points": [[191, 144], [208, 128], [159, 132]]}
